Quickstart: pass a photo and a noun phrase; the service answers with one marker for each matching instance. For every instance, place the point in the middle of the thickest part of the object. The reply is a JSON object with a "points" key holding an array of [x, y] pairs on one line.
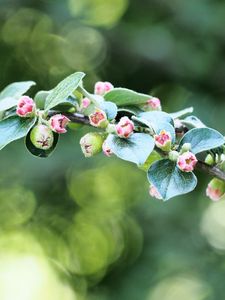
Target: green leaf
{"points": [[122, 96], [39, 152], [110, 108], [40, 98], [7, 103], [193, 122], [181, 113], [136, 148], [16, 89], [169, 180], [14, 128], [63, 90], [202, 139], [154, 156]]}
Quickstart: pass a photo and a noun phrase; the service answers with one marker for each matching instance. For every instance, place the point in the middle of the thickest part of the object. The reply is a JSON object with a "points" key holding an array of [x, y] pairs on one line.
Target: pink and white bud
{"points": [[125, 127], [58, 123], [152, 104], [25, 107], [153, 192], [91, 143], [186, 162], [215, 189], [102, 87], [163, 140], [85, 102], [106, 149], [98, 118], [42, 137]]}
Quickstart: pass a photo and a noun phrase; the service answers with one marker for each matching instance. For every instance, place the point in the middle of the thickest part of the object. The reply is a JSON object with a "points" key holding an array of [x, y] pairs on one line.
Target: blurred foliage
{"points": [[75, 228]]}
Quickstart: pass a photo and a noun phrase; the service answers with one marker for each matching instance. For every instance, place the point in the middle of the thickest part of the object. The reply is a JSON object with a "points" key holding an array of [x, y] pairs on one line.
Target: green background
{"points": [[76, 228]]}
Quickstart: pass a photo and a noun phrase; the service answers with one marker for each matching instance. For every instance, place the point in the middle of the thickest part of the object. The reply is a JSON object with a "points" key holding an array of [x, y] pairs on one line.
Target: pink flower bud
{"points": [[58, 123], [125, 127], [102, 87], [25, 107], [42, 137], [91, 143], [106, 149], [154, 192], [187, 161], [163, 140], [85, 102], [98, 118], [215, 189]]}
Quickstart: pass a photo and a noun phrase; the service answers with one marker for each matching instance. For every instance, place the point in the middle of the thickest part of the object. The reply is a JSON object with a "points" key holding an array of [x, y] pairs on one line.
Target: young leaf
{"points": [[63, 90], [193, 122], [40, 98], [182, 112], [136, 148], [110, 108], [14, 128], [202, 139], [16, 89], [169, 180], [122, 96]]}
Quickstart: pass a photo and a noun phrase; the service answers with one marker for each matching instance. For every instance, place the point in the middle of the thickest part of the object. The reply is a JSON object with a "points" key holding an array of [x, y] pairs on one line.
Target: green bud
{"points": [[209, 160], [42, 137], [173, 155], [185, 148], [91, 143]]}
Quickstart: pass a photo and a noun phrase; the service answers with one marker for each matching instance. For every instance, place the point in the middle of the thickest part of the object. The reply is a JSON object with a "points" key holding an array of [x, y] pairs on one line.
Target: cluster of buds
{"points": [[125, 127], [151, 104], [215, 189], [163, 140], [102, 87], [26, 107]]}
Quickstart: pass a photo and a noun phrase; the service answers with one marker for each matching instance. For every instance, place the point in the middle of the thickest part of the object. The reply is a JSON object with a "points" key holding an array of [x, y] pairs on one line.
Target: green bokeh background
{"points": [[75, 228]]}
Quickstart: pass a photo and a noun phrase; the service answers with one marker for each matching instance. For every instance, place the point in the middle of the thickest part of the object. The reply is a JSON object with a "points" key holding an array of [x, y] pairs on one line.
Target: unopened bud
{"points": [[163, 140], [215, 189], [185, 148], [152, 104], [153, 192], [42, 137], [98, 118], [102, 87], [25, 107], [106, 149], [173, 155], [186, 162], [91, 143], [125, 127], [58, 123]]}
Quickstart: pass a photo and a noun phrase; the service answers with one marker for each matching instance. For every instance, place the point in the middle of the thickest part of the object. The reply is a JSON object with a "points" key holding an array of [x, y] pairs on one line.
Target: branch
{"points": [[211, 170]]}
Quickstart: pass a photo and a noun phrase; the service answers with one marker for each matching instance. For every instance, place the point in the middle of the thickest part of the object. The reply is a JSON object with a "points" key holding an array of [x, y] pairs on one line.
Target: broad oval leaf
{"points": [[202, 139], [7, 103], [39, 152], [136, 148], [14, 128], [169, 180], [63, 90], [16, 89], [122, 96]]}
